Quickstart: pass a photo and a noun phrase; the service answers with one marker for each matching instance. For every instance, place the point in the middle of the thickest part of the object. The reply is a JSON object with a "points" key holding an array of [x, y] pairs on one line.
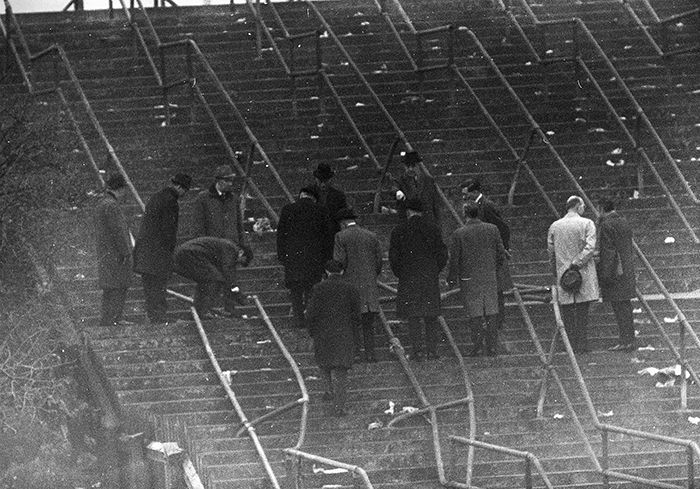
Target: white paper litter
{"points": [[672, 320], [375, 425], [668, 383], [409, 409], [436, 140], [359, 104], [558, 416], [580, 119], [646, 348], [627, 47], [636, 360], [649, 370], [321, 470], [670, 240], [606, 415], [616, 151], [550, 133], [637, 310], [549, 51], [693, 419], [596, 129], [353, 167], [262, 342], [392, 405], [311, 377]]}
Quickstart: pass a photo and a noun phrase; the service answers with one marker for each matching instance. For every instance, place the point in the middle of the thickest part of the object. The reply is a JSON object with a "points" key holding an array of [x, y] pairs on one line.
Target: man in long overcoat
{"points": [[333, 315], [153, 253], [415, 184], [616, 275], [417, 254], [571, 240], [113, 247], [302, 246], [476, 255], [217, 212], [331, 198], [488, 212], [211, 262], [360, 252]]}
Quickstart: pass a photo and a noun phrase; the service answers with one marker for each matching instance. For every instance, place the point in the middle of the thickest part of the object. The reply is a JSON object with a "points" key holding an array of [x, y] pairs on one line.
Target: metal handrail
{"points": [[319, 71], [295, 456], [193, 49], [431, 409], [530, 459], [659, 22], [234, 400], [692, 448], [303, 401], [639, 111]]}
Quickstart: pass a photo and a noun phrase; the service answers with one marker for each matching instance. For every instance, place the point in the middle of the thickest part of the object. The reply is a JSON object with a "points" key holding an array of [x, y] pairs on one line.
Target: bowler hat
{"points": [[414, 205], [310, 190], [345, 214], [183, 180], [411, 158], [324, 172], [224, 171]]}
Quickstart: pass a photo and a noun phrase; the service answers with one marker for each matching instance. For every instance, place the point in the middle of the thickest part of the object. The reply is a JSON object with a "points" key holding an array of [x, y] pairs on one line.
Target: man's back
{"points": [[360, 252]]}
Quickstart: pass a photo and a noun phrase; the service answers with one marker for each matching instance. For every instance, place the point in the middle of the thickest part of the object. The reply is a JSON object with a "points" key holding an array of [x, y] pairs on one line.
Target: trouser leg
{"points": [[113, 301], [499, 318], [476, 328], [368, 319], [298, 304], [491, 334], [154, 293], [432, 334], [340, 388], [328, 380], [575, 317], [625, 320], [415, 334], [204, 295]]}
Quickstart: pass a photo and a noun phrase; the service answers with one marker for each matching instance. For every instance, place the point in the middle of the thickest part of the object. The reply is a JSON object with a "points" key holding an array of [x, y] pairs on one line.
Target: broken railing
{"points": [[295, 458]]}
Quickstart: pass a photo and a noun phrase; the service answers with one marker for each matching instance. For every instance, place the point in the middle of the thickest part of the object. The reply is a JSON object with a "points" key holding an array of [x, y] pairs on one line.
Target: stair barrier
{"points": [[641, 118], [692, 448], [431, 409], [295, 458], [193, 52], [531, 461], [319, 70], [663, 23]]}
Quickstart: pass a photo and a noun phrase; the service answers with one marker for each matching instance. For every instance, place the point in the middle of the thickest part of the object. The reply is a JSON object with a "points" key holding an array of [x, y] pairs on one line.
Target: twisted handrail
{"points": [[639, 111], [193, 49]]}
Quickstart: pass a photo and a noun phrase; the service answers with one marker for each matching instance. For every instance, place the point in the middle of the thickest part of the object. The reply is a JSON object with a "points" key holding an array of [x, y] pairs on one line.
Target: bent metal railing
{"points": [[193, 52], [660, 23], [641, 119]]}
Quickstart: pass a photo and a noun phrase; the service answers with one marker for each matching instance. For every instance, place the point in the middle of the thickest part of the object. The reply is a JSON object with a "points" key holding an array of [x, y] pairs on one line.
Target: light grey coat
{"points": [[360, 252], [572, 239]]}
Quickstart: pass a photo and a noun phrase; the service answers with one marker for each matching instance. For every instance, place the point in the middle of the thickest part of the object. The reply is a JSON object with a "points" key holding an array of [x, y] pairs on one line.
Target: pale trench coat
{"points": [[360, 252], [572, 239]]}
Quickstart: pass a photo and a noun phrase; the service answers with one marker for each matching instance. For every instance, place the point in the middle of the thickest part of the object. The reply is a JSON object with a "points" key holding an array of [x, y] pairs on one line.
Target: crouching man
{"points": [[212, 263], [332, 316]]}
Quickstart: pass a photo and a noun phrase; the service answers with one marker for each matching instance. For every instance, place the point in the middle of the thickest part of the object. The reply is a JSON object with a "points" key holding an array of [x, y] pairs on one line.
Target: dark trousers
{"points": [[366, 336], [575, 317], [299, 295], [204, 296], [499, 318], [113, 301], [337, 385], [415, 332], [625, 320], [154, 292], [484, 332]]}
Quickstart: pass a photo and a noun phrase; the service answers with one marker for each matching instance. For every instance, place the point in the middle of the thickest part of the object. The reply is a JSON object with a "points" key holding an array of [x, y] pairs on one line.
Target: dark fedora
{"points": [[414, 205], [183, 180], [411, 158], [324, 172], [345, 214]]}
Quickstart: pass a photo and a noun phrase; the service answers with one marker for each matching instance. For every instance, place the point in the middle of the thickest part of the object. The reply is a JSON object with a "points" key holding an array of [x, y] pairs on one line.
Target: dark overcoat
{"points": [[421, 187], [615, 239], [476, 255], [303, 241], [112, 244], [218, 215], [153, 253], [417, 254], [207, 259], [332, 315], [360, 252], [489, 213]]}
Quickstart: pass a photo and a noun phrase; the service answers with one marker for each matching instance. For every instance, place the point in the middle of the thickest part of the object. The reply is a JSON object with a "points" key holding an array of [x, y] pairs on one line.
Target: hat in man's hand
{"points": [[414, 205], [224, 172], [183, 180], [345, 214], [411, 158], [309, 190], [323, 172]]}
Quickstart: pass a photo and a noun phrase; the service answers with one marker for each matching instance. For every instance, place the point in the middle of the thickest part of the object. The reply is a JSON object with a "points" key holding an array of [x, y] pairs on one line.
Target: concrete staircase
{"points": [[165, 373]]}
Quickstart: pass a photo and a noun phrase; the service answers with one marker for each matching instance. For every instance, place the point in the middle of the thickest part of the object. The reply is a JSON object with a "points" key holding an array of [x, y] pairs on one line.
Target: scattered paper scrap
{"points": [[580, 119], [549, 51], [359, 104], [269, 407], [558, 416], [668, 383], [262, 342], [693, 419], [670, 240], [321, 470], [353, 167], [606, 414], [627, 47], [375, 425], [616, 151], [637, 310], [596, 129], [409, 409], [649, 370], [436, 140], [615, 163], [636, 360], [550, 133], [364, 23], [311, 377], [392, 405], [672, 320], [646, 348]]}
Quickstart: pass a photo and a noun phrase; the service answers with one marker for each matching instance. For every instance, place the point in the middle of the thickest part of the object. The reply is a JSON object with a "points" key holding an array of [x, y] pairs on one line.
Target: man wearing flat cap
{"points": [[302, 247], [217, 213], [417, 254], [153, 253], [360, 252], [415, 184], [329, 197]]}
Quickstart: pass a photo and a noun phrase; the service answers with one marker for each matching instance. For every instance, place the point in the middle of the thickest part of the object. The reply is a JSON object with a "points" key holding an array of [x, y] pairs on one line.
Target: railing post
{"points": [[691, 468], [419, 63], [258, 29], [684, 381], [604, 462], [319, 73], [111, 10], [528, 473]]}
